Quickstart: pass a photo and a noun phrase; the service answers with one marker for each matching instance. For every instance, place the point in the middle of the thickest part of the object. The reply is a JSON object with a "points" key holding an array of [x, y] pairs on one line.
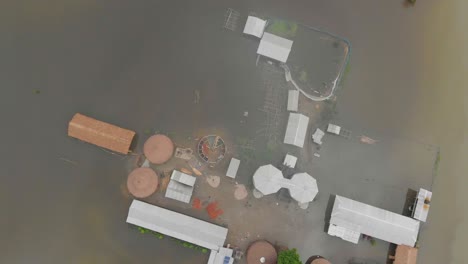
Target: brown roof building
{"points": [[99, 133]]}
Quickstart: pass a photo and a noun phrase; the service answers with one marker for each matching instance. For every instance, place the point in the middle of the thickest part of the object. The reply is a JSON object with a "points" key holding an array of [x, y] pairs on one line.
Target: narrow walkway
{"points": [[287, 74]]}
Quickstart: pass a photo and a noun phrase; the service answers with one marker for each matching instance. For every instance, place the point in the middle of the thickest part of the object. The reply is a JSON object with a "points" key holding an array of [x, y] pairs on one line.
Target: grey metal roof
{"points": [[183, 178], [177, 225], [375, 222], [178, 191], [275, 47], [296, 130], [233, 167]]}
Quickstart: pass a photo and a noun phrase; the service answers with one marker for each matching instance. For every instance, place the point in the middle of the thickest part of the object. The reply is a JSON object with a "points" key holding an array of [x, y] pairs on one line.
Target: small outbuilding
{"points": [[296, 129], [275, 47], [255, 26]]}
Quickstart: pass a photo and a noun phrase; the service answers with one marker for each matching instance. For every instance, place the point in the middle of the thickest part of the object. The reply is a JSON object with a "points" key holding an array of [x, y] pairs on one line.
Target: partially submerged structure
{"points": [[422, 205], [350, 217], [142, 182], [182, 227], [261, 252], [180, 187], [275, 47], [158, 149], [99, 133], [296, 129], [293, 100], [233, 167], [302, 187], [405, 255], [255, 26]]}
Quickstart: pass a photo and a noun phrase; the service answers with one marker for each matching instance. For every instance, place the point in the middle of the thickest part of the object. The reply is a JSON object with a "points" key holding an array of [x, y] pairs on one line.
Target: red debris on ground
{"points": [[196, 203], [213, 210]]}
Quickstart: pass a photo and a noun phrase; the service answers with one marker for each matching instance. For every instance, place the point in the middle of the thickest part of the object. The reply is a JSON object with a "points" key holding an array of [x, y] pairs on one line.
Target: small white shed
{"points": [[255, 26], [233, 167], [293, 100]]}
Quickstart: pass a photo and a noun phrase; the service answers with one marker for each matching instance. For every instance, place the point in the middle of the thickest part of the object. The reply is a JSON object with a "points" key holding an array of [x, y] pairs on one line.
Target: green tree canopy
{"points": [[289, 256]]}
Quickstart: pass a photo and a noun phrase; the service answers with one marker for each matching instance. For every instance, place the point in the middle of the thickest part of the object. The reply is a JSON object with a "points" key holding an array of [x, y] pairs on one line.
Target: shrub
{"points": [[289, 256]]}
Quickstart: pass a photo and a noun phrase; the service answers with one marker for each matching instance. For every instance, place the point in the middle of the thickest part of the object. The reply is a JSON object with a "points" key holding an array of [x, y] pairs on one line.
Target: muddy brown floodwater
{"points": [[137, 64]]}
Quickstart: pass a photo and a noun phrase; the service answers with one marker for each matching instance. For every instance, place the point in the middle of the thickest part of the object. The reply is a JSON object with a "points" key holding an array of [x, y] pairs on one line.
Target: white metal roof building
{"points": [[422, 205], [293, 100], [296, 130], [302, 187], [275, 47], [255, 26], [290, 161], [177, 225], [365, 219], [233, 167], [180, 187]]}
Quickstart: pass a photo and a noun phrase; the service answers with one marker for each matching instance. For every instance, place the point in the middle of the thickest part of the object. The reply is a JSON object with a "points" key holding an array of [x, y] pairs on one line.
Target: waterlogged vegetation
{"points": [[185, 244]]}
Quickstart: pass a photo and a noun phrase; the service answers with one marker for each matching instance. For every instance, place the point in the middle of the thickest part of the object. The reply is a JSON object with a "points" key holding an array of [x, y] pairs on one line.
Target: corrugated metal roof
{"points": [[178, 191], [254, 26], [183, 178], [177, 225], [100, 133], [296, 130], [233, 167], [421, 209], [275, 47], [293, 100], [375, 222]]}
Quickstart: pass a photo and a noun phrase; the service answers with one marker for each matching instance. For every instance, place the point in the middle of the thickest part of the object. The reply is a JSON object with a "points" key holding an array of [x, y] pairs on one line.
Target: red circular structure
{"points": [[142, 182], [158, 149], [261, 252]]}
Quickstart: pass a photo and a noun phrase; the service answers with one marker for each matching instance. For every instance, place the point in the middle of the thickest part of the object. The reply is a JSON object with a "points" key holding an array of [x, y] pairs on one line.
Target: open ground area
{"points": [[171, 68]]}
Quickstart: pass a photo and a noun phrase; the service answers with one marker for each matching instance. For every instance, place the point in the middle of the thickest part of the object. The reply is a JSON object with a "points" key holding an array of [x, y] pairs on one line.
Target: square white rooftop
{"points": [[254, 26]]}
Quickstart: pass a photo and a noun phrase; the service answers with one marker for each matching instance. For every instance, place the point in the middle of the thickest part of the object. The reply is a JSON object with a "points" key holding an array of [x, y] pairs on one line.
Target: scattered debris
{"points": [[367, 140], [246, 114], [213, 210], [197, 172], [186, 171], [317, 155], [145, 164], [185, 154], [69, 161], [196, 204], [213, 181], [240, 192], [197, 96]]}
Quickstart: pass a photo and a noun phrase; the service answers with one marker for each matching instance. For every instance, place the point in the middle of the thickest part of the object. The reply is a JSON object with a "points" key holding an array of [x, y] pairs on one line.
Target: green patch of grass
{"points": [[303, 76], [345, 73], [147, 131], [283, 28], [36, 91]]}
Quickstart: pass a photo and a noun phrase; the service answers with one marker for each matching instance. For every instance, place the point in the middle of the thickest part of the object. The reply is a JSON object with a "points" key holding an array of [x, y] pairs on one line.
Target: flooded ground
{"points": [[138, 65]]}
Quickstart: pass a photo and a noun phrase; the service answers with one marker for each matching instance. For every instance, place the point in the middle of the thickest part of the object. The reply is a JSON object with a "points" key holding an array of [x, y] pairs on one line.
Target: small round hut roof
{"points": [[158, 149], [142, 182], [320, 261], [261, 250]]}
